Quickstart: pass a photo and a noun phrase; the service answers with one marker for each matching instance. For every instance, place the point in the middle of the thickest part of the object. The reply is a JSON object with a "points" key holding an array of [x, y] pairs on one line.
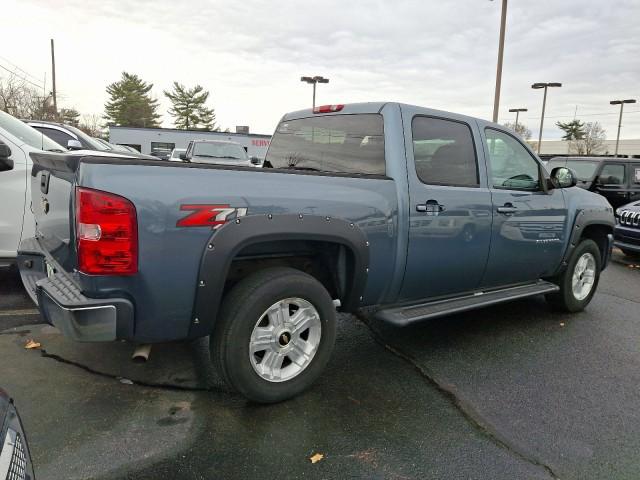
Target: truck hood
{"points": [[578, 199]]}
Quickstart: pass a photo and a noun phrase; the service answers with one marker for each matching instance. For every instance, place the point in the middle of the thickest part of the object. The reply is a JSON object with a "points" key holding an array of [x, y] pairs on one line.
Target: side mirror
{"points": [[255, 161], [74, 145], [563, 177], [183, 156], [5, 162]]}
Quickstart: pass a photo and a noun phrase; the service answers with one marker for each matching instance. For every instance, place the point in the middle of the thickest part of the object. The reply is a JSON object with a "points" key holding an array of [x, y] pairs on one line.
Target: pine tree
{"points": [[573, 130], [70, 116], [130, 103], [189, 109]]}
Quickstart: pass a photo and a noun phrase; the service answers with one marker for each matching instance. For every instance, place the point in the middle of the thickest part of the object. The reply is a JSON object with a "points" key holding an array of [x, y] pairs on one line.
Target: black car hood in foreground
{"points": [[15, 459]]}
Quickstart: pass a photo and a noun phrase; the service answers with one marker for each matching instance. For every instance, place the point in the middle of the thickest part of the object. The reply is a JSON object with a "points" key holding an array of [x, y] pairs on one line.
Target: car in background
{"points": [[75, 139], [218, 152], [67, 135], [175, 154], [616, 179], [15, 458], [626, 233]]}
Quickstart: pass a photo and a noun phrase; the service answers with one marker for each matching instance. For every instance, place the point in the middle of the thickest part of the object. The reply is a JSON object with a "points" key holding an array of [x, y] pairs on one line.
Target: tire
{"points": [[251, 312], [567, 299]]}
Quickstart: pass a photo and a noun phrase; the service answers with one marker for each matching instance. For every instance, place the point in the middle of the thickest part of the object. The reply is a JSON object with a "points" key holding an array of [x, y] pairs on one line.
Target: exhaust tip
{"points": [[141, 353]]}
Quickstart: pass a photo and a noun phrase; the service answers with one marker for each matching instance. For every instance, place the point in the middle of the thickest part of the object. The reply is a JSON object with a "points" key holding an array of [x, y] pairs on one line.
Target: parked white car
{"points": [[219, 152], [17, 141]]}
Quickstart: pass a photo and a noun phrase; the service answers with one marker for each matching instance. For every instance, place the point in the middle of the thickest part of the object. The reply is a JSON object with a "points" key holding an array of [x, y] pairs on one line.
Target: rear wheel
{"points": [[579, 281], [275, 334]]}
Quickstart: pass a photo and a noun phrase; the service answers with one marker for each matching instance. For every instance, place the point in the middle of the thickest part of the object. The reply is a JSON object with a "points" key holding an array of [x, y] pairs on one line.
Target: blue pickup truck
{"points": [[416, 212]]}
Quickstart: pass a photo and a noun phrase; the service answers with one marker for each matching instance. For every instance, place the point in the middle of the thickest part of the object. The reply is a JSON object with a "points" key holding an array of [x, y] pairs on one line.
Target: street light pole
{"points": [[621, 103], [314, 81], [517, 110], [537, 86], [496, 98]]}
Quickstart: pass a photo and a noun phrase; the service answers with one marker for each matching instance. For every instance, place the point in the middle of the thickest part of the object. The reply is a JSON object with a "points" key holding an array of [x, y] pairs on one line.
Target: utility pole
{"points": [[537, 86], [621, 103], [53, 79], [503, 24]]}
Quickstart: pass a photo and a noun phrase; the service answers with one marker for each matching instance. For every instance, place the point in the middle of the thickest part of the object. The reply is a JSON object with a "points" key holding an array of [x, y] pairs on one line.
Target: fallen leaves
{"points": [[316, 457], [31, 344]]}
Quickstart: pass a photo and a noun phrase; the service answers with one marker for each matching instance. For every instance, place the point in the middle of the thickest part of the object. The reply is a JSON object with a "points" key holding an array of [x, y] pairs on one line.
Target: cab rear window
{"points": [[334, 143]]}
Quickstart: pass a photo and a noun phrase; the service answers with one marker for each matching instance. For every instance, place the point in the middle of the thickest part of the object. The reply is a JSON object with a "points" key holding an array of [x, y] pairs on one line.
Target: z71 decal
{"points": [[204, 215]]}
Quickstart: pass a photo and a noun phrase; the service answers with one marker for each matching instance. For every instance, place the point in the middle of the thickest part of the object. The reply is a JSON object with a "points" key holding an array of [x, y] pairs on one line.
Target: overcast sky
{"points": [[250, 54]]}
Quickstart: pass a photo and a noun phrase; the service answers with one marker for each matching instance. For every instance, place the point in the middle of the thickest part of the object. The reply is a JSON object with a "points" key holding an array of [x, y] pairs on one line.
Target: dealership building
{"points": [[148, 140]]}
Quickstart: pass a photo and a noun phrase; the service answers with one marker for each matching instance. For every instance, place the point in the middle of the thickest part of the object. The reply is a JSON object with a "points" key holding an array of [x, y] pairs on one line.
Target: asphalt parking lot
{"points": [[513, 391]]}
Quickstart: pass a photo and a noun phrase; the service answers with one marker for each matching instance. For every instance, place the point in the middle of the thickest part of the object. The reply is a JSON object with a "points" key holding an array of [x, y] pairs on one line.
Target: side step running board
{"points": [[402, 316]]}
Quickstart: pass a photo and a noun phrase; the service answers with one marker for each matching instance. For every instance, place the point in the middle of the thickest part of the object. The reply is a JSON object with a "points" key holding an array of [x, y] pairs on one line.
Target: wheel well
{"points": [[330, 263], [598, 233]]}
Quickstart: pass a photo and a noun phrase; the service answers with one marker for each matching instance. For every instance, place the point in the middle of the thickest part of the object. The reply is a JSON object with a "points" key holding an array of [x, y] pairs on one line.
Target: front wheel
{"points": [[579, 281], [275, 334]]}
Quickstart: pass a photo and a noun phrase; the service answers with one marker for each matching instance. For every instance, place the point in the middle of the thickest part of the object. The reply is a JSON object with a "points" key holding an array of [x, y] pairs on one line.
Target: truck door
{"points": [[529, 223], [612, 183], [13, 185], [450, 207]]}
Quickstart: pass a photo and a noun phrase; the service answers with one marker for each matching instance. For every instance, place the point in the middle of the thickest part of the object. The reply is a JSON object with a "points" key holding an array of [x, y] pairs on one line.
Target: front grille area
{"points": [[629, 219], [13, 458], [18, 465]]}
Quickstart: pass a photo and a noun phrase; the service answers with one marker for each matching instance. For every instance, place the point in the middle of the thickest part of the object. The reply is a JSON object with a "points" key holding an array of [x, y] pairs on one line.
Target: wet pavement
{"points": [[512, 391]]}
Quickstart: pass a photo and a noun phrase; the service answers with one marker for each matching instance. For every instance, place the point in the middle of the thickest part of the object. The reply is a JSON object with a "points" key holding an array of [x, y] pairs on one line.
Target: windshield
{"points": [[93, 143], [27, 134], [219, 150], [583, 168]]}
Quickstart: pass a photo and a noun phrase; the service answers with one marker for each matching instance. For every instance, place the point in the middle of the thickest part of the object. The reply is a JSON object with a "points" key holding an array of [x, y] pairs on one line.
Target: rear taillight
{"points": [[107, 232], [328, 108]]}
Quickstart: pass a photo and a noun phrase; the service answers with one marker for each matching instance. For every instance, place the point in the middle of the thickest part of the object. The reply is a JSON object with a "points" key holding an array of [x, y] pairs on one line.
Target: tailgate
{"points": [[52, 184]]}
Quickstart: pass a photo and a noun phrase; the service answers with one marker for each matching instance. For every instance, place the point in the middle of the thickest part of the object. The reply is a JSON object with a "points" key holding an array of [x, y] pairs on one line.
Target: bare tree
{"points": [[593, 139], [520, 129], [92, 125], [21, 100]]}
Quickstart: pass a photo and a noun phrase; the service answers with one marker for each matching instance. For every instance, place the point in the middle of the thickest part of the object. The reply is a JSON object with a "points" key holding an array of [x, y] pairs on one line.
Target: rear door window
{"points": [[612, 174], [56, 135], [332, 143], [443, 152]]}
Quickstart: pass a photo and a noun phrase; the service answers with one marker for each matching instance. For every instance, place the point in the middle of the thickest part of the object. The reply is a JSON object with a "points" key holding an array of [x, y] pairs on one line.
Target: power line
{"points": [[18, 68], [21, 78]]}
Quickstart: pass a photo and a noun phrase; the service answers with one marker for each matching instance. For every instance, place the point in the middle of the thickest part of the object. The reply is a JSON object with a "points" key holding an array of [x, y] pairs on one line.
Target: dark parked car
{"points": [[627, 230], [15, 460], [617, 179]]}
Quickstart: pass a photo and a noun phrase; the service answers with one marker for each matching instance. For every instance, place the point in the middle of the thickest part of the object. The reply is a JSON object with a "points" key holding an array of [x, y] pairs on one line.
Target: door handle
{"points": [[507, 209], [430, 206]]}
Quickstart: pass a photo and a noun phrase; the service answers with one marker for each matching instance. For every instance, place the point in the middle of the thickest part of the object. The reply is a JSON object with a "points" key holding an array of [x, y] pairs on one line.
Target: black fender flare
{"points": [[226, 242], [583, 219]]}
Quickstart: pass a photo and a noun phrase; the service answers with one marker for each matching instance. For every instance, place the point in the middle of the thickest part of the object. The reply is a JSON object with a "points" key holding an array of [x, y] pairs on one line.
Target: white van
{"points": [[17, 140]]}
